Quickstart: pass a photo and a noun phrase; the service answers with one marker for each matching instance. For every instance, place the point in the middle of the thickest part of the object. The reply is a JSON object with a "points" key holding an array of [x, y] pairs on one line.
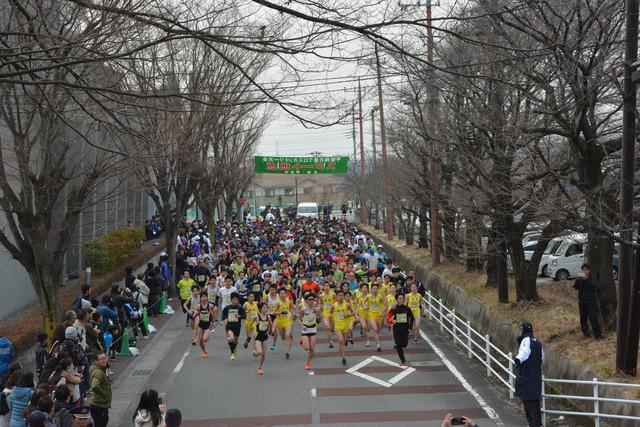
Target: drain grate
{"points": [[141, 372]]}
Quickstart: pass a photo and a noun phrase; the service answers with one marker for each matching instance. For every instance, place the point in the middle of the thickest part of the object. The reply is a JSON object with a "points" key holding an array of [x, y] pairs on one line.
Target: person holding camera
{"points": [[450, 420], [588, 302], [150, 411]]}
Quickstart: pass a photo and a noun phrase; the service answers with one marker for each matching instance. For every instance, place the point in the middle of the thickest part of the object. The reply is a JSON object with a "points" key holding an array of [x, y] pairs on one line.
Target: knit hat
{"points": [[71, 333]]}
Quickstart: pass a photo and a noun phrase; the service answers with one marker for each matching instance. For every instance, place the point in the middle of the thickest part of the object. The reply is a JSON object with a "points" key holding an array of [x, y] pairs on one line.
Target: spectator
{"points": [[129, 278], [69, 320], [85, 295], [588, 302], [38, 419], [81, 417], [42, 353], [45, 404], [468, 422], [12, 380], [62, 399], [35, 399], [106, 313], [80, 325], [529, 375], [101, 388], [6, 354], [142, 290], [149, 412], [19, 399], [173, 418]]}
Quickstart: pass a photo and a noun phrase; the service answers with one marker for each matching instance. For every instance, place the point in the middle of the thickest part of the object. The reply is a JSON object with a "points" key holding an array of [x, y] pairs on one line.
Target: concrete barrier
{"points": [[504, 333]]}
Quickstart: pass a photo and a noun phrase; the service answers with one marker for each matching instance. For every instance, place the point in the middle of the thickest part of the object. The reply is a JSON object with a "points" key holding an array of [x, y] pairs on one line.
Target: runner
{"points": [[263, 326], [206, 317], [272, 304], [391, 300], [377, 308], [351, 318], [284, 319], [185, 285], [232, 316], [340, 313], [225, 292], [308, 317], [363, 311], [402, 319], [251, 308], [414, 302], [327, 299], [191, 306]]}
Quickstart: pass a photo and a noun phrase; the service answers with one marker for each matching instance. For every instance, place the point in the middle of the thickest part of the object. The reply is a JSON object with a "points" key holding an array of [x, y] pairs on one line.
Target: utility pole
{"points": [[385, 165], [628, 316], [353, 119], [375, 161], [363, 206], [433, 162]]}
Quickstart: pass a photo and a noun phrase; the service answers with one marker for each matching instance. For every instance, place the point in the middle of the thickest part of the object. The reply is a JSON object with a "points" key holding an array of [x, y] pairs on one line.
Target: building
{"points": [[285, 190]]}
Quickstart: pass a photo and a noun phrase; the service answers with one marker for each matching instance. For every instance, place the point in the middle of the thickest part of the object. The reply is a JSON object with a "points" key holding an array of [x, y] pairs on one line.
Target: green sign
{"points": [[302, 165]]}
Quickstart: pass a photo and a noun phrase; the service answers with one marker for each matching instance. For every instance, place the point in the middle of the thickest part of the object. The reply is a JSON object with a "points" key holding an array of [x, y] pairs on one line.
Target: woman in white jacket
{"points": [[150, 412]]}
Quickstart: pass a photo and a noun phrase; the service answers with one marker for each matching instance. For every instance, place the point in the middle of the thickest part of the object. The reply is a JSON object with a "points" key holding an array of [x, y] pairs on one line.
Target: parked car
{"points": [[566, 261], [529, 247], [543, 267]]}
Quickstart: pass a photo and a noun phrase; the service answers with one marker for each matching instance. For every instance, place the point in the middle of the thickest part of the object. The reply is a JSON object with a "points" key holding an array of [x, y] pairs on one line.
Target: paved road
{"points": [[220, 392]]}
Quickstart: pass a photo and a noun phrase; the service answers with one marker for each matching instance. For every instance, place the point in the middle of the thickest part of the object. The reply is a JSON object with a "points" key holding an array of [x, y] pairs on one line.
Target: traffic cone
{"points": [[163, 302], [145, 319], [124, 349]]}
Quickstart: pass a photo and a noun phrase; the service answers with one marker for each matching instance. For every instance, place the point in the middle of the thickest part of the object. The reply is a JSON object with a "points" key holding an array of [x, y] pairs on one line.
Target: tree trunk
{"points": [[473, 244], [423, 231], [170, 241], [46, 286], [210, 212], [600, 249]]}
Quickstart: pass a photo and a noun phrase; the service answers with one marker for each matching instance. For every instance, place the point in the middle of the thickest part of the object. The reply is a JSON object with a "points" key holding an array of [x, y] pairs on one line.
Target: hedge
{"points": [[112, 250]]}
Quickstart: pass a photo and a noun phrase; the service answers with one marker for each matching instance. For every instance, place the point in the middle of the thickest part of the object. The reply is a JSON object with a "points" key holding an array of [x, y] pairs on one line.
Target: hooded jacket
{"points": [[101, 387], [143, 419]]}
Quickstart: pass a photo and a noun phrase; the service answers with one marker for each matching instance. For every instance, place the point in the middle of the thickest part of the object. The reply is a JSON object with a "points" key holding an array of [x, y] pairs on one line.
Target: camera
{"points": [[457, 421]]}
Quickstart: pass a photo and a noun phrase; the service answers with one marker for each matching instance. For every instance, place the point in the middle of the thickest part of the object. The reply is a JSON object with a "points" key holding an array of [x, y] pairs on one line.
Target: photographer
{"points": [[588, 302], [449, 421]]}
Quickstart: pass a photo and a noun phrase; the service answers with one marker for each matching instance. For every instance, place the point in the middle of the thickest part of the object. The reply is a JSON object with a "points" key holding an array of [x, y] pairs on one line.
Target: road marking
{"points": [[176, 370], [311, 373], [406, 370], [456, 373], [314, 393]]}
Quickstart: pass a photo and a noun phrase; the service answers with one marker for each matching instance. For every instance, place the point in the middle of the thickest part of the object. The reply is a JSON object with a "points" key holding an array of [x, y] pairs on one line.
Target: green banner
{"points": [[302, 165]]}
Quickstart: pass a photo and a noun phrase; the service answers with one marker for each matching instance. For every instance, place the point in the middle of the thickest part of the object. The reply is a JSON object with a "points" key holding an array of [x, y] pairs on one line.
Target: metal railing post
{"points": [[430, 302], [544, 405], [469, 352], [596, 402], [510, 377], [441, 314], [453, 325], [487, 347]]}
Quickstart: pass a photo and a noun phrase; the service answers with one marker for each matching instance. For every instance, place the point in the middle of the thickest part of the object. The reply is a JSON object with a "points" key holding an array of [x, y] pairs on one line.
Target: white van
{"points": [[552, 247], [566, 261], [307, 210]]}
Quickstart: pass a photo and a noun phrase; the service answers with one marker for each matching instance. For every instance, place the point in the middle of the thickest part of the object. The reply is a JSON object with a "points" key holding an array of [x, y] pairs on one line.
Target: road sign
{"points": [[302, 165], [404, 371]]}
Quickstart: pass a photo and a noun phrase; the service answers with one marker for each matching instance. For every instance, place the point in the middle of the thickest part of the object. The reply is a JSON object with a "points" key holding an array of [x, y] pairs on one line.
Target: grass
{"points": [[555, 316]]}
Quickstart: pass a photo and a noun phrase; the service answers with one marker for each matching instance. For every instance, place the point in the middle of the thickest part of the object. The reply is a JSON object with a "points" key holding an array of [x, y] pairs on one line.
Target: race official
{"points": [[529, 375]]}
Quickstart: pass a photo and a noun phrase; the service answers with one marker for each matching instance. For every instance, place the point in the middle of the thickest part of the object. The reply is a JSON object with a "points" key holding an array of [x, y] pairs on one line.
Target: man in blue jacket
{"points": [[6, 354], [529, 375]]}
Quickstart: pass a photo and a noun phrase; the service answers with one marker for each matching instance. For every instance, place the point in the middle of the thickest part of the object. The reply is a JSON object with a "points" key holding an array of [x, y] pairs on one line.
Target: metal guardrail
{"points": [[501, 366]]}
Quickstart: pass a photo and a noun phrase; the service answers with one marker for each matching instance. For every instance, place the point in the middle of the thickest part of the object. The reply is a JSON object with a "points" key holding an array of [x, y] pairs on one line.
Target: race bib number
{"points": [[375, 307], [401, 318], [263, 326], [252, 314], [340, 316], [414, 304], [309, 320], [200, 278], [233, 316], [256, 288], [226, 298]]}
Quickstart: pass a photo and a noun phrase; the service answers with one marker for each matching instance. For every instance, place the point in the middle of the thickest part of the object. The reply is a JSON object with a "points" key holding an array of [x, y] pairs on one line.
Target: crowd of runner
{"points": [[279, 273]]}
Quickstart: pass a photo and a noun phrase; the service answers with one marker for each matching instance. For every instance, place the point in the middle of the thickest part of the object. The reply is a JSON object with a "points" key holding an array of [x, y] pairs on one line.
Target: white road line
{"points": [[372, 379], [314, 393], [176, 370], [485, 406], [401, 375], [365, 362]]}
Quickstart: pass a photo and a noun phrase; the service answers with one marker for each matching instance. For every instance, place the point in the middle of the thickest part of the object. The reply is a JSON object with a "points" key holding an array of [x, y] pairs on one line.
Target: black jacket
{"points": [[587, 289]]}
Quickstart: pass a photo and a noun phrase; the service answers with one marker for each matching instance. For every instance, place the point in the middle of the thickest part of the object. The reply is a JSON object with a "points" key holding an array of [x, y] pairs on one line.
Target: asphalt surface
{"points": [[219, 392]]}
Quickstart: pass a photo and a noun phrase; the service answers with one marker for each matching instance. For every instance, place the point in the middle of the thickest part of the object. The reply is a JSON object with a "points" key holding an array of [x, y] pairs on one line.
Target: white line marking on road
{"points": [[176, 370], [485, 406], [372, 379], [311, 373], [354, 368], [401, 375], [314, 393]]}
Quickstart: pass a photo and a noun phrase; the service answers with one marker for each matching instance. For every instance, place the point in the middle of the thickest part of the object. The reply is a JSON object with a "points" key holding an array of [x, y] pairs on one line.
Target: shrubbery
{"points": [[112, 250]]}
